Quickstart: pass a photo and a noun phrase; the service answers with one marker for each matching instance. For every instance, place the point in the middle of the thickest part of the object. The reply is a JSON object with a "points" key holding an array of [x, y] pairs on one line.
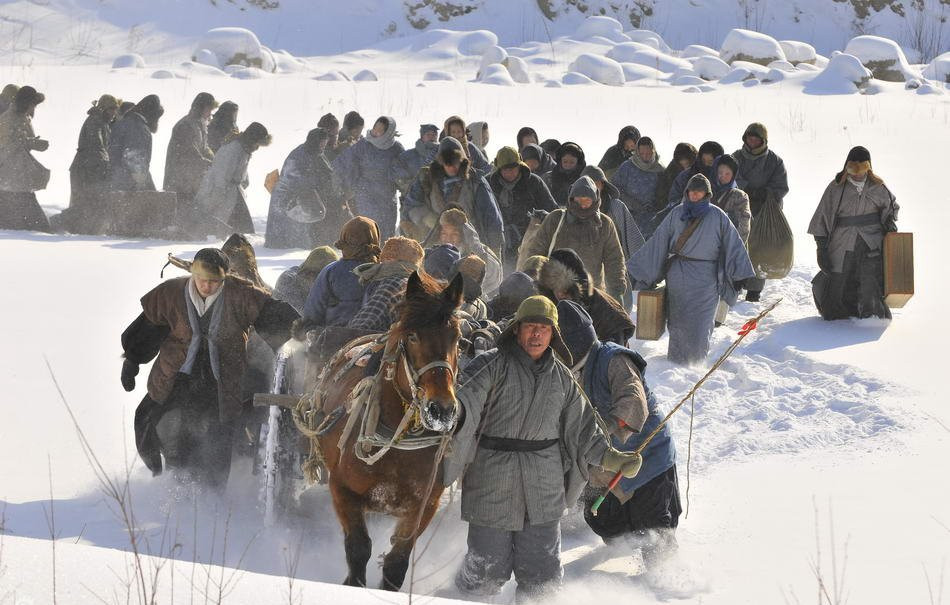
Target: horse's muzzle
{"points": [[438, 417]]}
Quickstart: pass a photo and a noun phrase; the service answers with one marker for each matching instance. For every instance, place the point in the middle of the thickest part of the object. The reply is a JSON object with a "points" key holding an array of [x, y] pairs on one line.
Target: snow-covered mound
{"points": [[650, 38], [633, 72], [573, 78], [698, 50], [200, 69], [129, 61], [798, 52], [600, 69], [845, 74], [496, 74], [365, 75], [624, 51], [475, 43], [249, 73], [603, 27], [710, 68], [746, 45], [235, 46], [333, 76], [287, 63], [518, 69], [438, 76], [494, 54], [658, 59], [939, 69], [883, 57]]}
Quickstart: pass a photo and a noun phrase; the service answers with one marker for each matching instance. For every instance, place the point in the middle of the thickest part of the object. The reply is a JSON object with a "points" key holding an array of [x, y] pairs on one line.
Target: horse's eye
{"points": [[413, 338]]}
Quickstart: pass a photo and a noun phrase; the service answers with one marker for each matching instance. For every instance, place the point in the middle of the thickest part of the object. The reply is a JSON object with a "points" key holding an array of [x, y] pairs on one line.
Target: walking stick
{"points": [[746, 329]]}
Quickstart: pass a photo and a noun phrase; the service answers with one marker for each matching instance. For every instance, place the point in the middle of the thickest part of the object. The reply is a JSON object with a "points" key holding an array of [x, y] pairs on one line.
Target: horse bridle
{"points": [[413, 375]]}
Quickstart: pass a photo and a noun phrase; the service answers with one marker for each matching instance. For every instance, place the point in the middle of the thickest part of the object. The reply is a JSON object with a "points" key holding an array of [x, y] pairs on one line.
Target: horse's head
{"points": [[429, 333]]}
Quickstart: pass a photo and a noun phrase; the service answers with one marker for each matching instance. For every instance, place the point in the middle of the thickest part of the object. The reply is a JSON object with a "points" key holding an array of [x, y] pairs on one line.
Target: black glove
{"points": [[129, 371], [824, 256]]}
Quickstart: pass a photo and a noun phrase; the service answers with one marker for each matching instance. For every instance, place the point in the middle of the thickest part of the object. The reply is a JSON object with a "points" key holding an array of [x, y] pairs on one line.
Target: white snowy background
{"points": [[847, 420]]}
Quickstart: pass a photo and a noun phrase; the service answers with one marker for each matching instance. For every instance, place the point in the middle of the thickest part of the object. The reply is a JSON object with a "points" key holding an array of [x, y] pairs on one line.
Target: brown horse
{"points": [[419, 365]]}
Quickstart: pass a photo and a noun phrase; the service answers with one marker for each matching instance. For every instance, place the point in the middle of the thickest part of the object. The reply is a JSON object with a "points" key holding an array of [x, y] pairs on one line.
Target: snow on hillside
{"points": [[806, 414]]}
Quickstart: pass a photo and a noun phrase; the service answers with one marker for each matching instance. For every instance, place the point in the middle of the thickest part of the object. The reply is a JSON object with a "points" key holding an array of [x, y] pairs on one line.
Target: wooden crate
{"points": [[142, 213], [898, 269], [651, 314]]}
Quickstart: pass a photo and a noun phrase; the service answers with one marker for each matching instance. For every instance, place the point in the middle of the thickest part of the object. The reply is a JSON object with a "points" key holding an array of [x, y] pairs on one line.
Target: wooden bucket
{"points": [[651, 314], [898, 269]]}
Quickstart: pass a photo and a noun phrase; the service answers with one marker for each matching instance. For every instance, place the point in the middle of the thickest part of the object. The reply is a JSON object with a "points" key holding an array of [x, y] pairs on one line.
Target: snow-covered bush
{"points": [[129, 61], [365, 75], [235, 46], [572, 78], [845, 74], [698, 50], [496, 74], [939, 68], [745, 45], [438, 76], [883, 57], [604, 27], [477, 42], [597, 68], [710, 68], [798, 52]]}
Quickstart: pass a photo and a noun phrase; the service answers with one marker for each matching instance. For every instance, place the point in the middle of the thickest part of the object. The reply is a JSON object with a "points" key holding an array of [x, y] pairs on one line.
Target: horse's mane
{"points": [[425, 308]]}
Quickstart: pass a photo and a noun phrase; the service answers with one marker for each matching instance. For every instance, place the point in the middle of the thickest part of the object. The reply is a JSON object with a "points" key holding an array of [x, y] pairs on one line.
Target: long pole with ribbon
{"points": [[746, 329]]}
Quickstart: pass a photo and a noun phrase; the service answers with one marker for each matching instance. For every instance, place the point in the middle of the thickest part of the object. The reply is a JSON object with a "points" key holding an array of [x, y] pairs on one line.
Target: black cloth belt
{"points": [[862, 220], [503, 444]]}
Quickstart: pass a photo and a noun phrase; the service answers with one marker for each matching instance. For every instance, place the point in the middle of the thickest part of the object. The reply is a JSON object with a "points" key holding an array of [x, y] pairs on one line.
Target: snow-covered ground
{"points": [[848, 416]]}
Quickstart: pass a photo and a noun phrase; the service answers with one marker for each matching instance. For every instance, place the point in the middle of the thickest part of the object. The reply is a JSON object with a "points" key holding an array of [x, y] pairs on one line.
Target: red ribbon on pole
{"points": [[748, 327]]}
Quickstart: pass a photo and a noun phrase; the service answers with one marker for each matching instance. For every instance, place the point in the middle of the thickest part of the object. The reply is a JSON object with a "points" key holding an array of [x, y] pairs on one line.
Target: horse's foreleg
{"points": [[408, 529], [356, 541]]}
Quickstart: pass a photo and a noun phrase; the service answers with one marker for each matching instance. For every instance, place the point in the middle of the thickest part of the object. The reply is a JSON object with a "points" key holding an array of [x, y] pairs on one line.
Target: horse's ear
{"points": [[452, 295], [414, 285]]}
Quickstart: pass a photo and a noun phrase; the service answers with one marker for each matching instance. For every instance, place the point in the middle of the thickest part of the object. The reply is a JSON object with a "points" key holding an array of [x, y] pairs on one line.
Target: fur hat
{"points": [[402, 248], [450, 151], [107, 102], [318, 259], [472, 269], [699, 182], [211, 264], [440, 261], [203, 101], [565, 272], [532, 265], [577, 328], [756, 129], [256, 134], [538, 309], [453, 217], [859, 154], [353, 120], [858, 162], [328, 121], [359, 239], [27, 96]]}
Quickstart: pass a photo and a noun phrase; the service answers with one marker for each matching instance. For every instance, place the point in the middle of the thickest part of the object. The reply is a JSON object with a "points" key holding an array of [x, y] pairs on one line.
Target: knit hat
{"points": [[426, 128], [577, 328], [538, 309], [328, 121], [453, 217], [711, 147], [756, 129], [699, 182], [353, 120], [204, 100], [27, 96], [440, 261], [508, 156], [402, 248], [211, 264], [472, 269], [450, 151], [257, 134], [359, 239], [318, 259]]}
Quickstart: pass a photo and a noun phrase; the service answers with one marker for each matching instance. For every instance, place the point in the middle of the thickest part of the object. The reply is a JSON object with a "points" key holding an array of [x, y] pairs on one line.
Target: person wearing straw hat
{"points": [[642, 510], [524, 452]]}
